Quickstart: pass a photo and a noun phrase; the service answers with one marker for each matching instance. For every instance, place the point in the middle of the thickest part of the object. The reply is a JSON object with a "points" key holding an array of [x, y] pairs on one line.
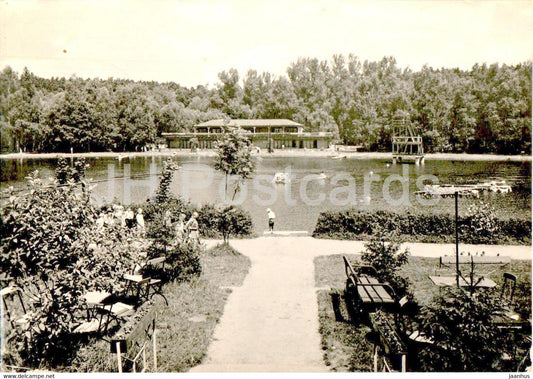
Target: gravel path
{"points": [[270, 323]]}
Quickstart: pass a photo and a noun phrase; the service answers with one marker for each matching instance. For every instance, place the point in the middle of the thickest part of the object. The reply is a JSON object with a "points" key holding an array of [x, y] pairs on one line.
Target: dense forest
{"points": [[484, 110]]}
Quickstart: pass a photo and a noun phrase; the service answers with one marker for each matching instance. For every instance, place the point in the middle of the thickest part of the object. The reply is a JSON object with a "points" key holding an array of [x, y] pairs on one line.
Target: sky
{"points": [[190, 41]]}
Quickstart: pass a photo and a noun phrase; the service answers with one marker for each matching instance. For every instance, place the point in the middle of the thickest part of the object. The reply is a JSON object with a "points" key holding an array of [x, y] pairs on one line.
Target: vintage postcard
{"points": [[223, 186]]}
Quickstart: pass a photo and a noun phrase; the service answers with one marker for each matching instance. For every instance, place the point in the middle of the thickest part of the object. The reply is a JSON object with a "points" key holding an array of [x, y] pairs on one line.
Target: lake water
{"points": [[298, 203]]}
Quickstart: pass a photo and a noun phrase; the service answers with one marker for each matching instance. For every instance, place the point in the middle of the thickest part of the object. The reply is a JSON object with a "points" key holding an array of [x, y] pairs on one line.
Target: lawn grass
{"points": [[186, 325], [343, 342]]}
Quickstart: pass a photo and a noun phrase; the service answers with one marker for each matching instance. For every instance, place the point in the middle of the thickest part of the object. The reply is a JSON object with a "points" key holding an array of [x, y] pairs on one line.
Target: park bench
{"points": [[365, 290]]}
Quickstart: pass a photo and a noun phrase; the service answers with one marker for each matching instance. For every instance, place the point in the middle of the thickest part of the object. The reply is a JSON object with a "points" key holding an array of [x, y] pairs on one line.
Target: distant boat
{"points": [[469, 190], [501, 188], [281, 178], [339, 157]]}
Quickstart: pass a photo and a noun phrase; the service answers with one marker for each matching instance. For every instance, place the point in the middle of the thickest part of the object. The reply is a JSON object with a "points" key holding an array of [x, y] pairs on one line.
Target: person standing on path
{"points": [[179, 229], [140, 221], [167, 220], [192, 229], [271, 218]]}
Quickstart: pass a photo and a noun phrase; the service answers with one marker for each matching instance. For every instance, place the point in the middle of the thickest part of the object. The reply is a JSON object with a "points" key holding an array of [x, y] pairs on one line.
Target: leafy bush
{"points": [[517, 229], [184, 262], [208, 221], [65, 172], [464, 338], [234, 221], [53, 249], [354, 224], [522, 299]]}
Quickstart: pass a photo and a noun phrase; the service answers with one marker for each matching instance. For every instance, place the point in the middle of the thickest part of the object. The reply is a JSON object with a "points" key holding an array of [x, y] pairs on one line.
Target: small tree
{"points": [[163, 191], [386, 257], [234, 156], [232, 220]]}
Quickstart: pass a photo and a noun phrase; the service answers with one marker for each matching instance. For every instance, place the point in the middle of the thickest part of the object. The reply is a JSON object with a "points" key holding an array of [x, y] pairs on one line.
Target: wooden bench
{"points": [[366, 290], [475, 259]]}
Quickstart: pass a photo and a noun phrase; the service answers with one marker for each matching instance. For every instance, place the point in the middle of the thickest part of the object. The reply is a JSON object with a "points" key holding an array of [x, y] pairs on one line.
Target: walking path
{"points": [[270, 323], [316, 247]]}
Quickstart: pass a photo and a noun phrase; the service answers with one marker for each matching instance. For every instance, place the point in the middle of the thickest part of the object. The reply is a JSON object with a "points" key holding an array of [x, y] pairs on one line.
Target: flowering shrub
{"points": [[54, 250], [464, 337], [480, 223]]}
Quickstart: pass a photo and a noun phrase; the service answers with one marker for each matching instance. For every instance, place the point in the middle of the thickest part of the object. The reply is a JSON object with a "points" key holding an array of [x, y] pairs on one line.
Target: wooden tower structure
{"points": [[406, 145]]}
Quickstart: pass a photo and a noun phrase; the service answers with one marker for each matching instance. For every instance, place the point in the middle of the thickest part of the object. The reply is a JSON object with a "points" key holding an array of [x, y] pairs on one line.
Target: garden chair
{"points": [[142, 287], [135, 288], [405, 320], [94, 300], [508, 318], [508, 288], [116, 312], [9, 293], [156, 269]]}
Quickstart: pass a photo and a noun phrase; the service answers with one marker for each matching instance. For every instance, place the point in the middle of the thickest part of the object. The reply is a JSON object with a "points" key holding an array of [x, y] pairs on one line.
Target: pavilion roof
{"points": [[251, 122]]}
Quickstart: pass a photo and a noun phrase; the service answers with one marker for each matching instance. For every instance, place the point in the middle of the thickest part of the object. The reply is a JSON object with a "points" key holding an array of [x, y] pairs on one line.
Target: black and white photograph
{"points": [[266, 187]]}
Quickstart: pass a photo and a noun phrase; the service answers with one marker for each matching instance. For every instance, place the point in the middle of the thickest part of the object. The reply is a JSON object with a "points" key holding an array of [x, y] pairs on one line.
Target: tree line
{"points": [[486, 109]]}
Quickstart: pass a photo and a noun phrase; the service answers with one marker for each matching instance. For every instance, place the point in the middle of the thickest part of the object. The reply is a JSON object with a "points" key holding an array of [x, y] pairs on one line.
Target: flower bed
{"points": [[389, 338]]}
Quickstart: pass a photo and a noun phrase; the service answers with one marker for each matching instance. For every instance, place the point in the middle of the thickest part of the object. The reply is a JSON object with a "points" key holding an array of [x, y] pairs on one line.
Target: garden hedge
{"points": [[355, 224]]}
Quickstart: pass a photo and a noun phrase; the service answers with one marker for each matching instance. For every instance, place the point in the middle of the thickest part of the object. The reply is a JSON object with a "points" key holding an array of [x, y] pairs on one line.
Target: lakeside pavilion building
{"points": [[276, 133]]}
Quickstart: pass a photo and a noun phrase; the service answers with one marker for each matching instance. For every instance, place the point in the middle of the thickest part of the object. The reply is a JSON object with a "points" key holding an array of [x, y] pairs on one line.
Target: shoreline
{"points": [[276, 154]]}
